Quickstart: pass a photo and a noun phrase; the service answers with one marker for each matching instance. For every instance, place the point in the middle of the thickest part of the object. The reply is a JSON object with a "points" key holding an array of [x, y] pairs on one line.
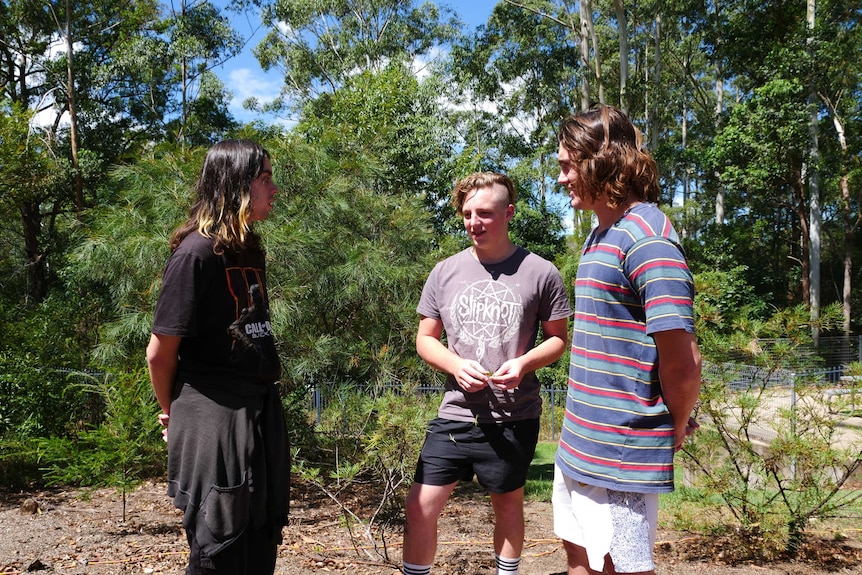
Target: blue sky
{"points": [[244, 77]]}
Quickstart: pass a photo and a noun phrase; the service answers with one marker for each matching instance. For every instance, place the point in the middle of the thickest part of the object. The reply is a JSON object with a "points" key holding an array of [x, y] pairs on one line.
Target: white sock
{"points": [[411, 569], [506, 566]]}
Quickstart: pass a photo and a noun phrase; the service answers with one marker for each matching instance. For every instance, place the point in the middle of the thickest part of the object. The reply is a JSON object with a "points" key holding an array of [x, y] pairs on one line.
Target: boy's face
{"points": [[486, 213], [569, 180], [262, 193]]}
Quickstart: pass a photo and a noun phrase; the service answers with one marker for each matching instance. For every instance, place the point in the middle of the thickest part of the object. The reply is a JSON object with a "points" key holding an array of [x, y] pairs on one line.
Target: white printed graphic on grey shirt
{"points": [[487, 314]]}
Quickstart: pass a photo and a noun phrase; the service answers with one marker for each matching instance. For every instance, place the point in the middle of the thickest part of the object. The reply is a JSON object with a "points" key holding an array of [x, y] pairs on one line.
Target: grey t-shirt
{"points": [[492, 313]]}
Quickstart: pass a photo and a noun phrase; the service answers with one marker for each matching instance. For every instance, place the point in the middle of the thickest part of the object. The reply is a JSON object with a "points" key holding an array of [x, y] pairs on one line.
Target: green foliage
{"points": [[368, 437], [724, 304], [208, 119], [199, 37], [347, 263], [41, 349], [526, 63], [120, 452], [395, 120], [752, 252], [126, 247], [320, 43], [40, 401], [19, 465], [768, 446], [392, 446], [538, 229], [756, 163], [31, 175]]}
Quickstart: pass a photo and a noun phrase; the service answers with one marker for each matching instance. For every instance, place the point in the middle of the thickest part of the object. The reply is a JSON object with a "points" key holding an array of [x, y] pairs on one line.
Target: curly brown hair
{"points": [[606, 150]]}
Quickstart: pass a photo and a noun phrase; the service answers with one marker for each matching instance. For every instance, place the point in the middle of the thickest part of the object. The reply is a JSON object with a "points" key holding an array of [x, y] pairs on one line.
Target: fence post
{"points": [[318, 403], [554, 412], [793, 420]]}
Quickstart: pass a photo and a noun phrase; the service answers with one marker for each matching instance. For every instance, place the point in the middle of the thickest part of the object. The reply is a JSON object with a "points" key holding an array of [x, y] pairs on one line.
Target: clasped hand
{"points": [[471, 376], [164, 418]]}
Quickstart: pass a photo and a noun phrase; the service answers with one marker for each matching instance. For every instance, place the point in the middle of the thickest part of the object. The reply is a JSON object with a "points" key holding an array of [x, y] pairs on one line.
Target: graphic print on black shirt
{"points": [[252, 330]]}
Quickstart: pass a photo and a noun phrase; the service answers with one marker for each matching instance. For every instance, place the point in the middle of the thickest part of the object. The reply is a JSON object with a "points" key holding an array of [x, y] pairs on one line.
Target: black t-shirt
{"points": [[219, 305]]}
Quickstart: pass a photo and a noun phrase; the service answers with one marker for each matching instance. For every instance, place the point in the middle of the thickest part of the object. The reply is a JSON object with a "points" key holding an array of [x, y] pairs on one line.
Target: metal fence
{"points": [[334, 407], [825, 365], [783, 393], [832, 354]]}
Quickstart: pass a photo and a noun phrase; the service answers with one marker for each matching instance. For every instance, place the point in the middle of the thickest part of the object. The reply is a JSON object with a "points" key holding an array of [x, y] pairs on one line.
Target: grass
{"points": [[540, 477], [540, 481], [687, 508]]}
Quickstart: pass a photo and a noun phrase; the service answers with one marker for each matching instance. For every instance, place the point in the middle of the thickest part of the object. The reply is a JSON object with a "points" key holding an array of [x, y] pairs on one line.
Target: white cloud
{"points": [[245, 83]]}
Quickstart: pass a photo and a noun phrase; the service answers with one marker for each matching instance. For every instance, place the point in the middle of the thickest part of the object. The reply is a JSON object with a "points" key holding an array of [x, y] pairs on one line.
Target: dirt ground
{"points": [[65, 532]]}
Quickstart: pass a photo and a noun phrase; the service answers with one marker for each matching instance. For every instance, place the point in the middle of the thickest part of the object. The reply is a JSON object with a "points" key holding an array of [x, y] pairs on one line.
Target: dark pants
{"points": [[253, 553]]}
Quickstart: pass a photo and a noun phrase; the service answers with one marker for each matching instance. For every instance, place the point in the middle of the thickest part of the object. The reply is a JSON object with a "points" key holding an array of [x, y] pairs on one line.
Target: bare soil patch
{"points": [[70, 532]]}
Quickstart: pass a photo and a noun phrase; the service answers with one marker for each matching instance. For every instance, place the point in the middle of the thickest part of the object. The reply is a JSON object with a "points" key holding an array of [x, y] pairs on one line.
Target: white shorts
{"points": [[606, 522]]}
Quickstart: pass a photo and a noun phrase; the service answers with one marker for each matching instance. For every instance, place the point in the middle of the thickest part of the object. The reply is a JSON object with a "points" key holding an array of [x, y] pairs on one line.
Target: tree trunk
{"points": [[813, 192], [622, 26], [849, 234], [719, 108], [181, 137], [653, 124], [585, 61], [31, 219], [849, 226], [73, 112], [587, 17], [802, 214]]}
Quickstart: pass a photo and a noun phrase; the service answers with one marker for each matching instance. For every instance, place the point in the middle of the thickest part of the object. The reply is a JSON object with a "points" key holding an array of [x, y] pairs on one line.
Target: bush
{"points": [[122, 451], [372, 437], [769, 446]]}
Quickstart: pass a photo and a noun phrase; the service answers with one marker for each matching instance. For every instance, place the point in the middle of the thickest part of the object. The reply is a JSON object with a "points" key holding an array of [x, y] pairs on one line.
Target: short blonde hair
{"points": [[481, 180]]}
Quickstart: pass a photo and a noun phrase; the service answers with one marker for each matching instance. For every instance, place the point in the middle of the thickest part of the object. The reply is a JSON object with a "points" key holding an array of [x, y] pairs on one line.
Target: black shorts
{"points": [[499, 454]]}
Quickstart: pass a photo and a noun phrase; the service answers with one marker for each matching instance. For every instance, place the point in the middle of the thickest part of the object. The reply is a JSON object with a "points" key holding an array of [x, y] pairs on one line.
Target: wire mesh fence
{"points": [[335, 408], [784, 368]]}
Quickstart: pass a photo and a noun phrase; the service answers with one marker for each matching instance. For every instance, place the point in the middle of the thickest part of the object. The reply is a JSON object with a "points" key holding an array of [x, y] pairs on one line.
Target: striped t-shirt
{"points": [[632, 281]]}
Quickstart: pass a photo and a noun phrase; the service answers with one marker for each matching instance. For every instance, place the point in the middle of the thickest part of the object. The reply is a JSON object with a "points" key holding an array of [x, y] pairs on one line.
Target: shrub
{"points": [[120, 452]]}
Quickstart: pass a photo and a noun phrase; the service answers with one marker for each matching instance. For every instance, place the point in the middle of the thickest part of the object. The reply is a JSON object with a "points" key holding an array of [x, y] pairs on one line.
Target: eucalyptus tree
{"points": [[398, 119], [30, 175], [86, 92], [318, 44], [370, 68], [26, 35], [762, 172], [99, 78], [835, 86], [537, 61], [196, 38], [774, 50], [518, 78]]}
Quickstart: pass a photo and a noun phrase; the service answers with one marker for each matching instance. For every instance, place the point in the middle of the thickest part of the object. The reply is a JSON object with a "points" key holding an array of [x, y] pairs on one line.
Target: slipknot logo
{"points": [[482, 309], [487, 314]]}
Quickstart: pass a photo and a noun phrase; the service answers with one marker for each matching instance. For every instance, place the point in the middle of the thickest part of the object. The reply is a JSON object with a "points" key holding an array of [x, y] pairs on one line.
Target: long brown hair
{"points": [[223, 206], [606, 150]]}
